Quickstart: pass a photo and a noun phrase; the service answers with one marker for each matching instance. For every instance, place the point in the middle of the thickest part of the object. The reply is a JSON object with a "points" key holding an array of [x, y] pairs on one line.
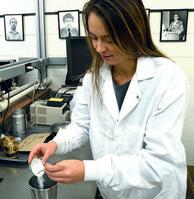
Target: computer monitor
{"points": [[78, 59], [6, 61], [6, 84]]}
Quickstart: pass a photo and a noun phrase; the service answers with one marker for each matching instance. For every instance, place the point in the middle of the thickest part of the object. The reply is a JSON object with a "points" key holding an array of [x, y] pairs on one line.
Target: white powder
{"points": [[38, 170], [40, 181]]}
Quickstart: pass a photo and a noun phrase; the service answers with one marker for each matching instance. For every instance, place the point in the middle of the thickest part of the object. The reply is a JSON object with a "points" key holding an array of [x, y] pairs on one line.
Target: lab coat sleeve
{"points": [[75, 134], [162, 155]]}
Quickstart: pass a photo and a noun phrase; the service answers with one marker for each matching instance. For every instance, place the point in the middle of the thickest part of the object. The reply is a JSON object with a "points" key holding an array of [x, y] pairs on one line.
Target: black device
{"points": [[7, 83], [78, 59]]}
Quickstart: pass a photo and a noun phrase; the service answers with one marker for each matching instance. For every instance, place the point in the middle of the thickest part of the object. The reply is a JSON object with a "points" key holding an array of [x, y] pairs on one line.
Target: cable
{"points": [[58, 91], [40, 81], [35, 90], [8, 104]]}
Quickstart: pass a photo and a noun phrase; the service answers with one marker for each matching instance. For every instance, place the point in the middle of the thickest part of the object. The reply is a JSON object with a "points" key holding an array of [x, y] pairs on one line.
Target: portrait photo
{"points": [[69, 23], [14, 28], [173, 27]]}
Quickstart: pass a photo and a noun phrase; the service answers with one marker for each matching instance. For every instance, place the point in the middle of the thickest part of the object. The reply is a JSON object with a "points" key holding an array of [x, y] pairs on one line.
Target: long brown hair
{"points": [[128, 26]]}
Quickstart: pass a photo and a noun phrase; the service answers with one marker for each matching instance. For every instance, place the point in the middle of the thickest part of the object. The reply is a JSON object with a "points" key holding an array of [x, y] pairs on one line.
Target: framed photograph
{"points": [[173, 27], [14, 27], [69, 23]]}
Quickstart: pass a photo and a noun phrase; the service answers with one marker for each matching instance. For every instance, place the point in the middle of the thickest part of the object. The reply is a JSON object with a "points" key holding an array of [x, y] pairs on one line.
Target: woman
{"points": [[131, 107]]}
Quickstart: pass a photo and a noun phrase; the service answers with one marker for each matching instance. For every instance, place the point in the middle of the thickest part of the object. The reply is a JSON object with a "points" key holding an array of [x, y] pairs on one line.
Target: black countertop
{"points": [[14, 177]]}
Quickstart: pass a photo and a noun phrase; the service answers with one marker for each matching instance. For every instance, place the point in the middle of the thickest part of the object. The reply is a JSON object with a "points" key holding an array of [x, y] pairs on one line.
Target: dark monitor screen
{"points": [[78, 59]]}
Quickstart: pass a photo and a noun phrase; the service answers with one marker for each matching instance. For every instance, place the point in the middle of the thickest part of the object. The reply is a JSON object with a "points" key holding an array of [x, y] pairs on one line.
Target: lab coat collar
{"points": [[145, 70], [132, 98]]}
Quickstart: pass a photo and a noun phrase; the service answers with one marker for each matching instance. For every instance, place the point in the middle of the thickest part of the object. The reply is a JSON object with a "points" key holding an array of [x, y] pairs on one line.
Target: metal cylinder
{"points": [[49, 191], [19, 123]]}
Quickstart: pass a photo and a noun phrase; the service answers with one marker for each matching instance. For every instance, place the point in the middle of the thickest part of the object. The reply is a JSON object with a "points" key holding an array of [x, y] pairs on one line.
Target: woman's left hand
{"points": [[66, 171]]}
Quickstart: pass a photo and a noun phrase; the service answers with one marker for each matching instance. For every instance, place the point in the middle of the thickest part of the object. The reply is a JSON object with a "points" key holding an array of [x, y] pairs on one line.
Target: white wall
{"points": [[181, 52], [168, 4], [17, 6], [57, 47], [15, 49]]}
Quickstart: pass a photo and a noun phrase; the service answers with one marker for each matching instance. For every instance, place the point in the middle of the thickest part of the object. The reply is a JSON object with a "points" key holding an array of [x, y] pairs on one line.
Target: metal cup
{"points": [[49, 190], [19, 123]]}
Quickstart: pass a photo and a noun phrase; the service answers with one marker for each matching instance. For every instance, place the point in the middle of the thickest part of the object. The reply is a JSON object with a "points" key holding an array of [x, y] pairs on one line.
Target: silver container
{"points": [[49, 190], [19, 123]]}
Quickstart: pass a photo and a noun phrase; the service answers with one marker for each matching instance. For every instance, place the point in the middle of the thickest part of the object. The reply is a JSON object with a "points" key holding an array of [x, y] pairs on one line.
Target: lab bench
{"points": [[15, 177]]}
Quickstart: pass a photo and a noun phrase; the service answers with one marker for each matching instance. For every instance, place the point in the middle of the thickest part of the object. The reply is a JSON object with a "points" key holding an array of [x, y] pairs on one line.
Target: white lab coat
{"points": [[137, 152]]}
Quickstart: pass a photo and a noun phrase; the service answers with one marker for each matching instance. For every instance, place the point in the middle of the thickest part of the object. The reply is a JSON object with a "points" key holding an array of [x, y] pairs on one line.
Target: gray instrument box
{"points": [[47, 115]]}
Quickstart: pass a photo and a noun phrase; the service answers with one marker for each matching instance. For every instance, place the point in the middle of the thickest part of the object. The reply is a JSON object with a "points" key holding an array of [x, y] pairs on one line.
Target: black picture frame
{"points": [[173, 26], [68, 23], [14, 27]]}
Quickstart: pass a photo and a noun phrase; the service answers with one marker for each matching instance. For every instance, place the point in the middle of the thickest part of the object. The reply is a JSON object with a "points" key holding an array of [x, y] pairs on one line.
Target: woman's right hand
{"points": [[44, 151]]}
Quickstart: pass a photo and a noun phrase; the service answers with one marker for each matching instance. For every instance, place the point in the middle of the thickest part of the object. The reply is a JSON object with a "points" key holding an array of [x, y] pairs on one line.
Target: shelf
{"points": [[23, 102]]}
